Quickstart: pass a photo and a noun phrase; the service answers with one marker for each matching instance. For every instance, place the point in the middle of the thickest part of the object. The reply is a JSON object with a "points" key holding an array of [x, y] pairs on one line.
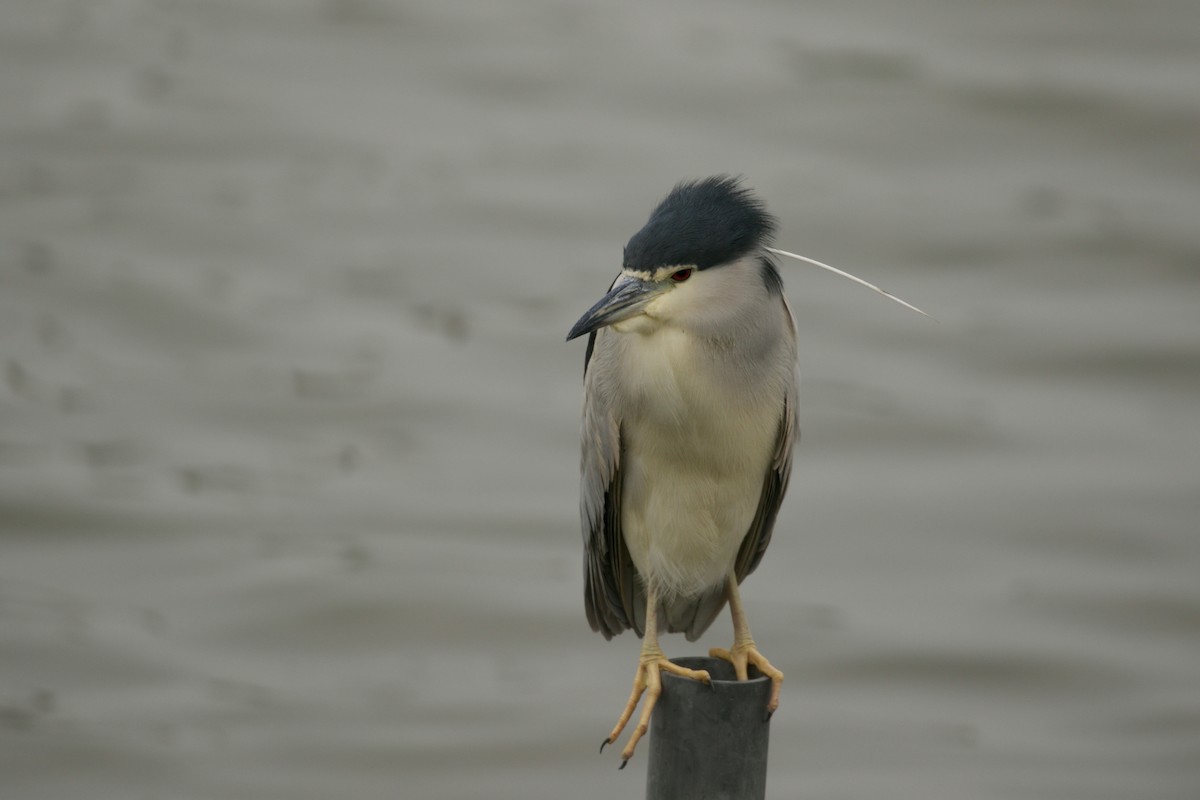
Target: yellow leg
{"points": [[744, 652], [648, 682]]}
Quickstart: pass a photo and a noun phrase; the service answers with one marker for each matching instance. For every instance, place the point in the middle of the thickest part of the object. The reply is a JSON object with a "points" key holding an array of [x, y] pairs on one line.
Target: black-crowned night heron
{"points": [[689, 418], [688, 423]]}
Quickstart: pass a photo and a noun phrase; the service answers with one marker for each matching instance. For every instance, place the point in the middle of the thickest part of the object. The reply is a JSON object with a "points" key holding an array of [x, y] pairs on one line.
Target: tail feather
{"points": [[693, 616]]}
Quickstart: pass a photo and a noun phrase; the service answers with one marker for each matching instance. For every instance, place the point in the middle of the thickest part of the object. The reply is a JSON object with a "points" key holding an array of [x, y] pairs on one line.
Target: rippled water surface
{"points": [[288, 430]]}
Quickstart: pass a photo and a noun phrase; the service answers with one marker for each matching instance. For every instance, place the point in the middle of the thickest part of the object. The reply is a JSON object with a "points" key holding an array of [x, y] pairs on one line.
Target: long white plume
{"points": [[854, 278]]}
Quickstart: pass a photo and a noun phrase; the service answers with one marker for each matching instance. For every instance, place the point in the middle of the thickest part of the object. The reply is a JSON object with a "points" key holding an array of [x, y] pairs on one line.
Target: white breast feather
{"points": [[701, 424]]}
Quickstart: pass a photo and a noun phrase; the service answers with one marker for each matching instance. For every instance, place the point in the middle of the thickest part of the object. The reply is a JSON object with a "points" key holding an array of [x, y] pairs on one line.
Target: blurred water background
{"points": [[288, 430]]}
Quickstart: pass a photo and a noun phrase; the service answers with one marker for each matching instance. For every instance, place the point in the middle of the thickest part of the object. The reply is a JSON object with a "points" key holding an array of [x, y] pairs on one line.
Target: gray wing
{"points": [[776, 481], [612, 594], [774, 487]]}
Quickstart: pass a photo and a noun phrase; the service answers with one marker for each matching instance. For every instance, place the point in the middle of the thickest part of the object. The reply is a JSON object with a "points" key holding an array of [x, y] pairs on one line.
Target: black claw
{"points": [[768, 715], [604, 744], [623, 763]]}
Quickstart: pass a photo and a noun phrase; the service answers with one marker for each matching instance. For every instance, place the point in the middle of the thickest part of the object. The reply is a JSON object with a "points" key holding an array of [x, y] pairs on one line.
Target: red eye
{"points": [[681, 275]]}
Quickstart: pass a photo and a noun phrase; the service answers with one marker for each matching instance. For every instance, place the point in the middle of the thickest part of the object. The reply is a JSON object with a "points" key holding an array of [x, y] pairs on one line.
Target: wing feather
{"points": [[775, 485], [612, 592]]}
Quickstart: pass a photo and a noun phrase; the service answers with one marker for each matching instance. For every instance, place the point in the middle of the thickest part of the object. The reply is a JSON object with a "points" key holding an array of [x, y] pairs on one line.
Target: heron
{"points": [[689, 420]]}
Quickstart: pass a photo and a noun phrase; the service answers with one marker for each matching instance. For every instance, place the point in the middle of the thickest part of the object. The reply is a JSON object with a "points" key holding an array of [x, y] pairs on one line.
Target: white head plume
{"points": [[854, 278]]}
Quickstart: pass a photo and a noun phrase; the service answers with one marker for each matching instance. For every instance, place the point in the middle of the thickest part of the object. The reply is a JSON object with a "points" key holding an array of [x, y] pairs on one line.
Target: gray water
{"points": [[288, 430]]}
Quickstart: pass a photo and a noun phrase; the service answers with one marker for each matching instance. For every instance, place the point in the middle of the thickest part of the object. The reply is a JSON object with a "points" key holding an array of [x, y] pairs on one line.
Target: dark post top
{"points": [[709, 743]]}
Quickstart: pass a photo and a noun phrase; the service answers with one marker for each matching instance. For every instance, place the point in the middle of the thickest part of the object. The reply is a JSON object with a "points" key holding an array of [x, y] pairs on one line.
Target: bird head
{"points": [[699, 263]]}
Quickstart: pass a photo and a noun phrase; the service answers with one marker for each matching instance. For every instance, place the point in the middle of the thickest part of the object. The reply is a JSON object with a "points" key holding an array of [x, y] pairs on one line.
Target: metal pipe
{"points": [[709, 743]]}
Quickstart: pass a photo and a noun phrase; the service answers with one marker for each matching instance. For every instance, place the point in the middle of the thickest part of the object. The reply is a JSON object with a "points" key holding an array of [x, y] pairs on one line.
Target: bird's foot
{"points": [[741, 656], [647, 682]]}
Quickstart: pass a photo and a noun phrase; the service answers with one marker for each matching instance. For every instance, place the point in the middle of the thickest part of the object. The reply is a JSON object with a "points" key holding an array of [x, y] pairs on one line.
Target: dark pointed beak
{"points": [[625, 299]]}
